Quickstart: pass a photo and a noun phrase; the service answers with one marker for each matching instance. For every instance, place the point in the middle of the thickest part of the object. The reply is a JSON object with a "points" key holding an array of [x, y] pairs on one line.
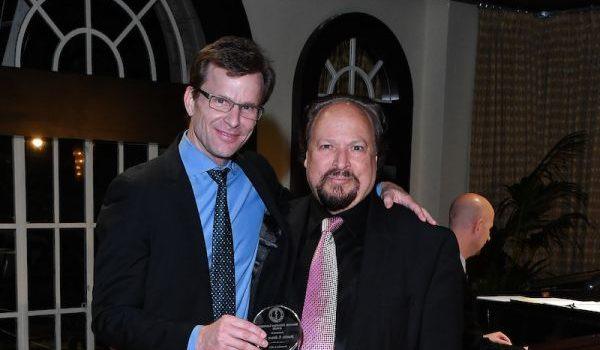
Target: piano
{"points": [[559, 313]]}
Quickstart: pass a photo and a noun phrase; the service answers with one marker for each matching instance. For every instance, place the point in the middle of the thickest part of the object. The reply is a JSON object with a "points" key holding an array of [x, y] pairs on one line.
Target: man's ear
{"points": [[478, 226], [188, 101]]}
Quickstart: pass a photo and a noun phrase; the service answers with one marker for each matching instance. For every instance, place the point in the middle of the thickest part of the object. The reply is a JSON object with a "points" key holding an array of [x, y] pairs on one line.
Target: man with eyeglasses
{"points": [[183, 238], [223, 104]]}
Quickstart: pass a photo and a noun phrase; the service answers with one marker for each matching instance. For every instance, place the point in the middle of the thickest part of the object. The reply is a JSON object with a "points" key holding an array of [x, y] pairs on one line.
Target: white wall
{"points": [[422, 27], [460, 77]]}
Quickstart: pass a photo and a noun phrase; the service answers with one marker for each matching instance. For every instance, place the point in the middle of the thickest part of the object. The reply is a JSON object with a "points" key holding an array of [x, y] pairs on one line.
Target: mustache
{"points": [[336, 198], [339, 173]]}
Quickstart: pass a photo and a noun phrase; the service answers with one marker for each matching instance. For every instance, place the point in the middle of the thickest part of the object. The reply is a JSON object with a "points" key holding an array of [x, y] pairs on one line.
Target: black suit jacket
{"points": [[410, 284], [152, 281], [473, 335]]}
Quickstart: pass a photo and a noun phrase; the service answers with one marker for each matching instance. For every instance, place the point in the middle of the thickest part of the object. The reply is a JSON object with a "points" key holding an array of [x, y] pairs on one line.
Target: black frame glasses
{"points": [[223, 104]]}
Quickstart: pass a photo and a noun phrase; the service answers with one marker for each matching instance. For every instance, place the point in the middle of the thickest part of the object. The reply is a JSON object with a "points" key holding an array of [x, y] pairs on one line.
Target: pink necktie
{"points": [[320, 302]]}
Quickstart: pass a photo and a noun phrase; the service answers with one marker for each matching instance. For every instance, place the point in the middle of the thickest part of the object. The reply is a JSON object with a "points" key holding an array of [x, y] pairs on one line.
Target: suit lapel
{"points": [[377, 250], [182, 197], [301, 221], [273, 222]]}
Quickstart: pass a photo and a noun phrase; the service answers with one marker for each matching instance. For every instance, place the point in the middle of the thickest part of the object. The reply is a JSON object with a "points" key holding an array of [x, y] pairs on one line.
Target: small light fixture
{"points": [[79, 160], [37, 143]]}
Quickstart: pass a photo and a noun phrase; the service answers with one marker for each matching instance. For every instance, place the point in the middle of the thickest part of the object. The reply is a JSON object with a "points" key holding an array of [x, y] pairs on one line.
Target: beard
{"points": [[336, 198]]}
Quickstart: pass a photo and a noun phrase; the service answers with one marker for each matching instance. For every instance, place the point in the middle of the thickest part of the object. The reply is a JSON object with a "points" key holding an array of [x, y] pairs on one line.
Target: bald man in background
{"points": [[471, 219]]}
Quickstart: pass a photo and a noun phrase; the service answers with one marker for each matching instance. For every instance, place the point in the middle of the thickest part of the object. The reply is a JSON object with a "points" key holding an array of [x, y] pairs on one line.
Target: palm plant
{"points": [[534, 220]]}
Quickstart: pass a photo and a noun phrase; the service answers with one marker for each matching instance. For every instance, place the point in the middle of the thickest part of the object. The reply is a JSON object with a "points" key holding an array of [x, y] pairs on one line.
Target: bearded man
{"points": [[364, 277]]}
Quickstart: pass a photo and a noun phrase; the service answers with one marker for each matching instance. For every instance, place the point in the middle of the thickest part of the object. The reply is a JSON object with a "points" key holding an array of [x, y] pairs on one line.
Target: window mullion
{"points": [[152, 151], [88, 37], [121, 158], [21, 242], [352, 65], [89, 237], [56, 190]]}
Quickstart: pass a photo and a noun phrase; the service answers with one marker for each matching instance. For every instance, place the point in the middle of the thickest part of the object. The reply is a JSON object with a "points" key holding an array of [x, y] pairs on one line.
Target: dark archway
{"points": [[220, 18], [396, 97]]}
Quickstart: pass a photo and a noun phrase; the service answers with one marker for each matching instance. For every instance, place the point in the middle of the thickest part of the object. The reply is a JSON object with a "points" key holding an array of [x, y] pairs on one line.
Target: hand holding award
{"points": [[282, 326]]}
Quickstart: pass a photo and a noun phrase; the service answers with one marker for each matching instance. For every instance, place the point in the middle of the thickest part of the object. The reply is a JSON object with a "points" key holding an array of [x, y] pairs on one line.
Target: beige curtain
{"points": [[538, 79]]}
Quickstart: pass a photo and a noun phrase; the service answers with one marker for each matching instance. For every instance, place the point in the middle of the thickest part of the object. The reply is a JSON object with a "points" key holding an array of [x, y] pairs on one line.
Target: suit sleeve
{"points": [[442, 323], [121, 265]]}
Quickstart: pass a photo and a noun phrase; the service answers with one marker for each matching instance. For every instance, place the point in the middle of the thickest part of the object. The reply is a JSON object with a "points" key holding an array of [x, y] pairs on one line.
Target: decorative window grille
{"points": [[351, 70], [123, 38]]}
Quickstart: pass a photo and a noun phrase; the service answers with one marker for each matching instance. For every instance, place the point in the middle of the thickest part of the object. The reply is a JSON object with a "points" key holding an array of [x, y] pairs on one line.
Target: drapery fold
{"points": [[538, 79]]}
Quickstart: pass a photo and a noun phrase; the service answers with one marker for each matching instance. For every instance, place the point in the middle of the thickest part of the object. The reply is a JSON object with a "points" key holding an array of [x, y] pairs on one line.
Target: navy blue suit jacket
{"points": [[152, 282]]}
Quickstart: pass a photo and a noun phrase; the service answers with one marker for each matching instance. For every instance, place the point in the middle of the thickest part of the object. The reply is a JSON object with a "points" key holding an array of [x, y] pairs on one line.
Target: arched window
{"points": [[356, 54], [115, 38]]}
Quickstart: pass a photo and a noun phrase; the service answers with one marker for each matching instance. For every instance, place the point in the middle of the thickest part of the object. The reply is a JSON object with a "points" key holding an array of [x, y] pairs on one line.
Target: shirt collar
{"points": [[355, 218], [196, 162], [463, 262]]}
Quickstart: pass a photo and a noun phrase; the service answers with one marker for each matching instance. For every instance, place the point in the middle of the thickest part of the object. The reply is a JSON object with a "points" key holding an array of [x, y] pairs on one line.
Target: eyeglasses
{"points": [[223, 104]]}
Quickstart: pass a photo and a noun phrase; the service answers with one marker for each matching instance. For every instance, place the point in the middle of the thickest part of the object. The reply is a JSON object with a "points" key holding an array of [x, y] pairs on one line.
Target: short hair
{"points": [[239, 56], [371, 109]]}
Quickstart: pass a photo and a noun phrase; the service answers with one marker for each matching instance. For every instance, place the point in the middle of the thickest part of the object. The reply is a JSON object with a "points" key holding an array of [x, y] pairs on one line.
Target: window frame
{"points": [[20, 227]]}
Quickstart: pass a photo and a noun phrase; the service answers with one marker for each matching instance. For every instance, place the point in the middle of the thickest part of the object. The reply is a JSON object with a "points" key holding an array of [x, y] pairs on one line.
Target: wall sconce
{"points": [[79, 161]]}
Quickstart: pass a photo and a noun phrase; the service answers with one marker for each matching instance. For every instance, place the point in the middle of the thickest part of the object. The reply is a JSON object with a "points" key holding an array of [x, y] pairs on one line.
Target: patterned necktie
{"points": [[320, 302], [222, 273]]}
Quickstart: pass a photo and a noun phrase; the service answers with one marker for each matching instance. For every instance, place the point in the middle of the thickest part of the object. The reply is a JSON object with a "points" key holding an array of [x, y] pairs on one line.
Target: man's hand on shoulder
{"points": [[230, 332], [392, 193]]}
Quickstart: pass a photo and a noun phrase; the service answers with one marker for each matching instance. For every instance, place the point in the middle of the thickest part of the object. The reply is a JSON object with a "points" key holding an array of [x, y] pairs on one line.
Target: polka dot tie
{"points": [[320, 302], [222, 273]]}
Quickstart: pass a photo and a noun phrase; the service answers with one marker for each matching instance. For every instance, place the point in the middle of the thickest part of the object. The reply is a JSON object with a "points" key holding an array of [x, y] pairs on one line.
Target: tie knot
{"points": [[331, 224], [219, 176]]}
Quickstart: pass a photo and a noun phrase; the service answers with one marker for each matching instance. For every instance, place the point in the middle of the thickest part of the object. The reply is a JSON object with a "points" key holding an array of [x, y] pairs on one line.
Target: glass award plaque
{"points": [[282, 326]]}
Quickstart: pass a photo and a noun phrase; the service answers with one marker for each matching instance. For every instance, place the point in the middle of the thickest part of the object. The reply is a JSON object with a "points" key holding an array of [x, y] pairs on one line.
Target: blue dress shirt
{"points": [[246, 212]]}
